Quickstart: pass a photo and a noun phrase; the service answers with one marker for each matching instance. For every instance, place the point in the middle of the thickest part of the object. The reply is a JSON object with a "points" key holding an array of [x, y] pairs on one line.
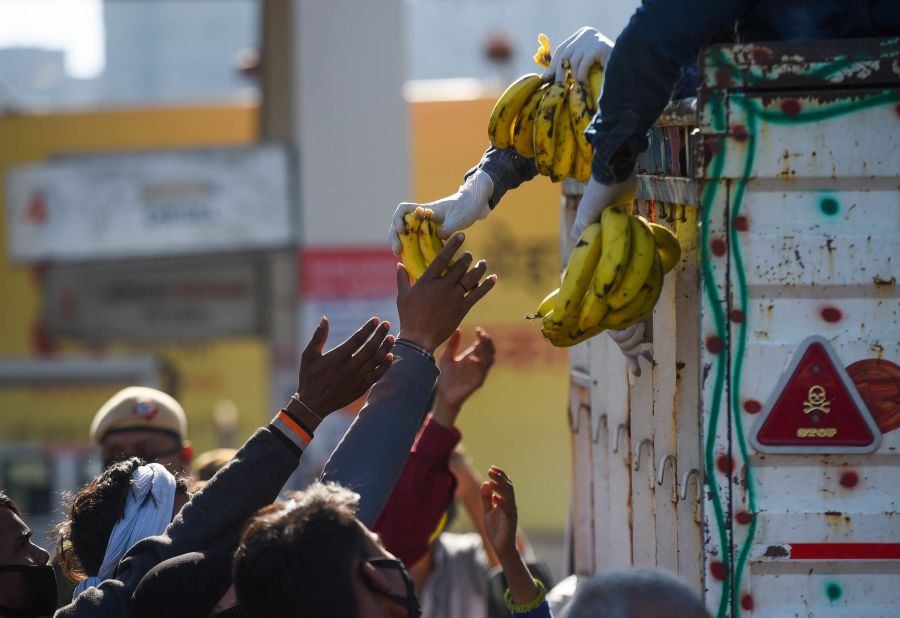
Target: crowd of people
{"points": [[368, 538]]}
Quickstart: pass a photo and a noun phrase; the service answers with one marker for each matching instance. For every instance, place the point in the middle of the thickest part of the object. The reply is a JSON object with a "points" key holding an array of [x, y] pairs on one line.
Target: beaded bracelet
{"points": [[415, 348], [531, 605]]}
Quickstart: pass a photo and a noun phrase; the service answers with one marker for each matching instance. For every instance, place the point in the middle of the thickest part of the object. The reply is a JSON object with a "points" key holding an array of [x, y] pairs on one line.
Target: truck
{"points": [[756, 455]]}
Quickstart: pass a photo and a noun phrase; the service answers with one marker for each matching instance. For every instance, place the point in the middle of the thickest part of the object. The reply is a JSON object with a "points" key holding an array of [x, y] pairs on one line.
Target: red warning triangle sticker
{"points": [[815, 408]]}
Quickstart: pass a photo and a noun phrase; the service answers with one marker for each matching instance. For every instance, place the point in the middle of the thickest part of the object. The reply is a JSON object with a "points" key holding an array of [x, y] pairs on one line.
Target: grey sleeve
{"points": [[507, 169], [372, 453]]}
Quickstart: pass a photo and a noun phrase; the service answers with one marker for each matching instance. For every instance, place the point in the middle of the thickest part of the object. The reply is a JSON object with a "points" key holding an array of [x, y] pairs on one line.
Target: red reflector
{"points": [[815, 408]]}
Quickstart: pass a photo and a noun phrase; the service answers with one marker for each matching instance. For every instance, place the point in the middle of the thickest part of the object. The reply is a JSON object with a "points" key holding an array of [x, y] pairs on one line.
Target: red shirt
{"points": [[422, 494]]}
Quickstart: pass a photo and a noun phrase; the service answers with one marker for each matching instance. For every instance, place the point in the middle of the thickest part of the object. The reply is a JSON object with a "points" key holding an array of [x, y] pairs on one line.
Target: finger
{"points": [[575, 61], [561, 71], [355, 341], [487, 496], [403, 284], [443, 257], [634, 366], [486, 346], [471, 278], [394, 240], [381, 369], [583, 69], [401, 211], [478, 293], [372, 345], [459, 268], [375, 349], [504, 486], [317, 342], [452, 347]]}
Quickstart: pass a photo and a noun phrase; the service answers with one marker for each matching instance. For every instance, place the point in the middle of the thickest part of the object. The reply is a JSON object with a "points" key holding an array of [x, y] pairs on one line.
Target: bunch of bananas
{"points": [[419, 241], [613, 278], [547, 121]]}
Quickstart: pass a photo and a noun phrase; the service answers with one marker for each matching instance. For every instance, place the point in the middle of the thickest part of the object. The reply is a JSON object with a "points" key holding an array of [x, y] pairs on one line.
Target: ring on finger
{"points": [[463, 287]]}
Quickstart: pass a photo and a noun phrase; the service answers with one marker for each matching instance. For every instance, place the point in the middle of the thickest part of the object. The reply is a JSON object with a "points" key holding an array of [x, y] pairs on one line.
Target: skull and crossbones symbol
{"points": [[816, 401]]}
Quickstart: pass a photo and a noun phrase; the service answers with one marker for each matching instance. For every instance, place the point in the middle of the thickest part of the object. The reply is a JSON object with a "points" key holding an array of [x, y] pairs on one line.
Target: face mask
{"points": [[41, 582], [409, 600], [231, 612]]}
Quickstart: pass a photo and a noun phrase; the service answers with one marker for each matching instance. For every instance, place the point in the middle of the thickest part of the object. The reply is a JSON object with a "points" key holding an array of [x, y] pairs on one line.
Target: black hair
{"points": [[92, 514], [297, 558], [9, 503]]}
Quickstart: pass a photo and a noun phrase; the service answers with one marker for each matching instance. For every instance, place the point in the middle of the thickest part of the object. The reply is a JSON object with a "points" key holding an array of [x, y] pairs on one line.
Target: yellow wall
{"points": [[232, 369], [518, 419]]}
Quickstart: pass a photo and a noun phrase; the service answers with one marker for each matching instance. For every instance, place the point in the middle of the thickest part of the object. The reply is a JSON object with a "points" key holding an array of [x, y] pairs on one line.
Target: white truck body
{"points": [[757, 456]]}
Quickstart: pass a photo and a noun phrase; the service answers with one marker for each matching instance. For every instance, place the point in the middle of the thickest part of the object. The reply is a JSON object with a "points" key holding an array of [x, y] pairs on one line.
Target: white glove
{"points": [[597, 196], [631, 341], [455, 212], [583, 50]]}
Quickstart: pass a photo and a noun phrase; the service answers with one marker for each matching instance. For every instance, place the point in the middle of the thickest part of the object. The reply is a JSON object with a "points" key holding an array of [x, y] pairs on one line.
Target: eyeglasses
{"points": [[398, 579]]}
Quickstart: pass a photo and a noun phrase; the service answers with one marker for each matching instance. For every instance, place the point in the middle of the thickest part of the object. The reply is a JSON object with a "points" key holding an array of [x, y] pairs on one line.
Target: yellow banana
{"points": [[616, 250], [523, 129], [429, 241], [668, 246], [581, 110], [643, 302], [595, 79], [542, 57], [545, 127], [581, 169], [579, 272], [593, 310], [566, 334], [564, 148], [507, 108], [643, 251], [545, 307], [410, 251]]}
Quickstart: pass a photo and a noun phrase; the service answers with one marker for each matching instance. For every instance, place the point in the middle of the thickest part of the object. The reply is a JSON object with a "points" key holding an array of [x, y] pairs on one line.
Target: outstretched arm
{"points": [[373, 452]]}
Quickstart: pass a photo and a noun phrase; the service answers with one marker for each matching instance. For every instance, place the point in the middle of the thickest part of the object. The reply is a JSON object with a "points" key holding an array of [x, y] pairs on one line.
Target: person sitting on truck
{"points": [[659, 46], [145, 423], [369, 458], [640, 592], [27, 582]]}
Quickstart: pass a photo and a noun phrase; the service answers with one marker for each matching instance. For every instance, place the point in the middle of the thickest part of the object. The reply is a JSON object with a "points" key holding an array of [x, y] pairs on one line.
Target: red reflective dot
{"points": [[739, 133], [714, 344], [718, 570], [832, 314], [850, 479], [790, 107], [741, 224], [752, 406], [722, 78], [718, 247], [743, 517], [736, 316], [761, 55], [724, 463], [747, 602]]}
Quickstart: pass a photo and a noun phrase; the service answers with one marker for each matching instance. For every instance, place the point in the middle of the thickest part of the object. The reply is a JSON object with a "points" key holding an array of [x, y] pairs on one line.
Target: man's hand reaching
{"points": [[331, 380], [461, 374]]}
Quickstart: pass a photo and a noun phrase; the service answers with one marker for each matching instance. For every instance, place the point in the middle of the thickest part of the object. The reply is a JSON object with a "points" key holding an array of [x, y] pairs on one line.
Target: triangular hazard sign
{"points": [[815, 408]]}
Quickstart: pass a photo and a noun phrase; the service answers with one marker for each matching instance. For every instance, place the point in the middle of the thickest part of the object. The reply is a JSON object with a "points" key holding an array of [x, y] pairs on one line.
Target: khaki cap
{"points": [[139, 407]]}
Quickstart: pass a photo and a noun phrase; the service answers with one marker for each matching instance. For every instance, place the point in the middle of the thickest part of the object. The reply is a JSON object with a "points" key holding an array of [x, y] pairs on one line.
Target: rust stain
{"points": [[776, 551], [879, 282]]}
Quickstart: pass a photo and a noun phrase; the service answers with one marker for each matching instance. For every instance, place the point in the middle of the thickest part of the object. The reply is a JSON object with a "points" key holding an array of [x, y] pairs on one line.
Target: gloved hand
{"points": [[631, 341], [455, 212], [597, 196], [583, 50]]}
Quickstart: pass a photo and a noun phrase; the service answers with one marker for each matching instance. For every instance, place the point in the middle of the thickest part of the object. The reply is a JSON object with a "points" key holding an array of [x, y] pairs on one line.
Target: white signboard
{"points": [[168, 300], [149, 204]]}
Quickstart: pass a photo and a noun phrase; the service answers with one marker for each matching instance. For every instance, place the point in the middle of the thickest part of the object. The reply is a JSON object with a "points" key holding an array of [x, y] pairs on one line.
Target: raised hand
{"points": [[501, 517], [432, 309], [331, 380], [461, 374], [582, 50]]}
